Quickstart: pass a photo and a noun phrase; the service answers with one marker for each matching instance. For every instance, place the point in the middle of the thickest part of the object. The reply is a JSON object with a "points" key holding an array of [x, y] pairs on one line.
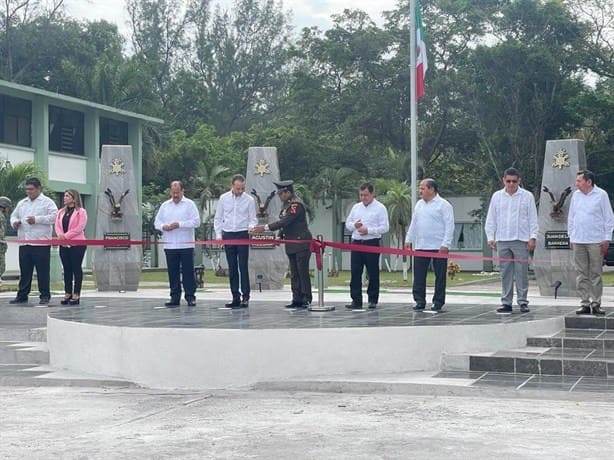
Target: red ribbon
{"points": [[316, 246]]}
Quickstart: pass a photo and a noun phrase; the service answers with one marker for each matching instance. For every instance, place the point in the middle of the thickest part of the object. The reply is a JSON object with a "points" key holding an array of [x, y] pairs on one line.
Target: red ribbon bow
{"points": [[317, 246]]}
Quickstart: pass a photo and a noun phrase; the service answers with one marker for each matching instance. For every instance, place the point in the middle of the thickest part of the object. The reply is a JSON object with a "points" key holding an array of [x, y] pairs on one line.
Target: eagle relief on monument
{"points": [[557, 203]]}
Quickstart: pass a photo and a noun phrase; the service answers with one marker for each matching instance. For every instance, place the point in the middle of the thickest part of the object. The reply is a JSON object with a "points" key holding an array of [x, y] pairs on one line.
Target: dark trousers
{"points": [[421, 267], [237, 257], [180, 267], [359, 260], [72, 258], [29, 258], [300, 281]]}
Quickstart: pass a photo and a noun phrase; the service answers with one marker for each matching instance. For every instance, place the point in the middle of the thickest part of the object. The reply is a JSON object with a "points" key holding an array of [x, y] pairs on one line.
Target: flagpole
{"points": [[413, 111]]}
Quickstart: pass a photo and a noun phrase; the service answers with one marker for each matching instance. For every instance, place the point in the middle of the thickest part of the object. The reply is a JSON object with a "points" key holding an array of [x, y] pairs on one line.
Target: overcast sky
{"points": [[304, 12]]}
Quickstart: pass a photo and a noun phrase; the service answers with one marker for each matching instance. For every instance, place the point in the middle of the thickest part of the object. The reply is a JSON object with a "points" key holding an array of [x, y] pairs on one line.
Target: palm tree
{"points": [[306, 197], [210, 182], [333, 185], [12, 178], [397, 200]]}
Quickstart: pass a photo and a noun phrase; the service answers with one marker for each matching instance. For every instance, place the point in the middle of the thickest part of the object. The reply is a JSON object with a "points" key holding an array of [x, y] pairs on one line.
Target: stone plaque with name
{"points": [[556, 239], [117, 236], [263, 240]]}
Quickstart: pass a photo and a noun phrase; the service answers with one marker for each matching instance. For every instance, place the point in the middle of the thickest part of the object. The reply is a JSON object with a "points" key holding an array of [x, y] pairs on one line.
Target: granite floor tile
{"points": [[550, 366], [491, 364], [459, 374], [567, 353], [585, 368], [502, 379]]}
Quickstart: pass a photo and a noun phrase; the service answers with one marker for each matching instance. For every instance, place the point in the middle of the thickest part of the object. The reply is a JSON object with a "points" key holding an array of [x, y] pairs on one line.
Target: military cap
{"points": [[5, 202], [284, 186]]}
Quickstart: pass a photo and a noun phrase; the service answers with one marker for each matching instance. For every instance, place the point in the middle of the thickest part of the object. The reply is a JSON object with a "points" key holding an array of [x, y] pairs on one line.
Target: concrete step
{"points": [[457, 383], [45, 376], [29, 315], [23, 334], [24, 353]]}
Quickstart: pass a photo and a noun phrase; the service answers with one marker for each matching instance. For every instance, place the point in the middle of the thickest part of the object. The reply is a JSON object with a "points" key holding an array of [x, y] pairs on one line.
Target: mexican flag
{"points": [[421, 62]]}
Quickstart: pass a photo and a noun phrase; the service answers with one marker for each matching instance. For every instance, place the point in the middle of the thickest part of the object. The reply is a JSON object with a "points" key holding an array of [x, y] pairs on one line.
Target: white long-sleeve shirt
{"points": [[186, 214], [511, 217], [374, 217], [234, 213], [590, 217], [44, 211], [432, 225]]}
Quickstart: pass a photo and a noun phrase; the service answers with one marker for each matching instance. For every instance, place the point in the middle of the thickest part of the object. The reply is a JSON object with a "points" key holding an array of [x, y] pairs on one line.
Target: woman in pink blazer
{"points": [[70, 226]]}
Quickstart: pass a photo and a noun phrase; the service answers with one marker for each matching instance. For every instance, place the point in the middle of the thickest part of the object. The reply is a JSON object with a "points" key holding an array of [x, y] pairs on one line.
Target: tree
{"points": [[598, 48], [13, 177], [159, 40], [519, 86], [16, 15], [240, 58], [330, 187], [210, 182], [397, 199]]}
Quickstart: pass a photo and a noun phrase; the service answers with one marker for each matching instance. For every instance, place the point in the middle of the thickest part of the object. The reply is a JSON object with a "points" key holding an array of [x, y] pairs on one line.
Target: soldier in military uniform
{"points": [[292, 225], [5, 204]]}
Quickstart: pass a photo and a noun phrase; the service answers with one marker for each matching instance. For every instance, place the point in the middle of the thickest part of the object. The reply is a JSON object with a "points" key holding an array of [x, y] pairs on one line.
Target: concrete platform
{"points": [[139, 340]]}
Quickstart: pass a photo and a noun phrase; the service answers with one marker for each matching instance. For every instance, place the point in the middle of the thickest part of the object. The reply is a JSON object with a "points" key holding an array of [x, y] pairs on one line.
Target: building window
{"points": [[15, 121], [65, 130], [113, 132], [467, 235]]}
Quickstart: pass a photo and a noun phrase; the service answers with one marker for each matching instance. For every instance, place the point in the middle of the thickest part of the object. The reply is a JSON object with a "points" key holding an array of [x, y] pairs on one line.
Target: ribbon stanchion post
{"points": [[317, 246]]}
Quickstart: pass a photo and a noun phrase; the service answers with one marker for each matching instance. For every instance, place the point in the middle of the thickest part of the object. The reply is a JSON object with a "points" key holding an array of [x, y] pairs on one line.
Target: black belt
{"points": [[371, 242]]}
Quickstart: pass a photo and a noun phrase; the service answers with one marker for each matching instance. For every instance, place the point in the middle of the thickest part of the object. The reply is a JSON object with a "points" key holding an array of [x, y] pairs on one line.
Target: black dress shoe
{"points": [[65, 300], [597, 310], [234, 304], [19, 300], [372, 305], [191, 303], [504, 310], [44, 301], [294, 305], [419, 307], [436, 308], [74, 301], [245, 303], [583, 310], [353, 306], [172, 303]]}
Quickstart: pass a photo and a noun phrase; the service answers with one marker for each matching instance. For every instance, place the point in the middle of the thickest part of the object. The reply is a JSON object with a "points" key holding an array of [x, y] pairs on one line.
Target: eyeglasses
{"points": [[511, 181]]}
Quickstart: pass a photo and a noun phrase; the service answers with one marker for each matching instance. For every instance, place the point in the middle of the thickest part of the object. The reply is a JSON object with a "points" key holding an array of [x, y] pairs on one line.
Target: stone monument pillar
{"points": [[117, 267], [553, 259], [268, 263]]}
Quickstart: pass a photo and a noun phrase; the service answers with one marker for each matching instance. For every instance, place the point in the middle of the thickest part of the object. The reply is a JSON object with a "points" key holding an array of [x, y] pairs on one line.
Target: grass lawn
{"points": [[157, 279]]}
